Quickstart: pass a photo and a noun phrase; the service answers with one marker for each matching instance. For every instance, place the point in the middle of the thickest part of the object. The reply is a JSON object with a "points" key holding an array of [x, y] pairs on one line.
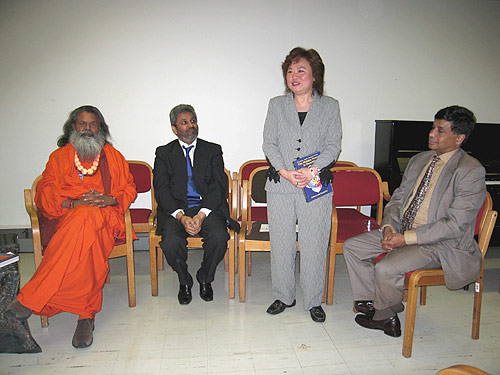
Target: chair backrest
{"points": [[256, 193], [485, 223], [343, 163], [143, 179], [357, 186], [247, 168], [29, 194]]}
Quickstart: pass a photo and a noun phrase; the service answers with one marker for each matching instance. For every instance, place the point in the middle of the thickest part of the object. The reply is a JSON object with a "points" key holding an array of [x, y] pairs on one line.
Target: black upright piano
{"points": [[396, 141]]}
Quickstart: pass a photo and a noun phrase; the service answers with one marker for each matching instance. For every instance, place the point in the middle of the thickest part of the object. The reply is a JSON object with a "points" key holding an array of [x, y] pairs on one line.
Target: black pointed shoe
{"points": [[365, 307], [391, 326], [318, 314], [184, 295], [206, 292], [278, 307]]}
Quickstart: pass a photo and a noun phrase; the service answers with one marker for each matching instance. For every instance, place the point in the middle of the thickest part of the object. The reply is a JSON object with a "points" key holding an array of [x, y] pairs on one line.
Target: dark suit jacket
{"points": [[170, 179], [459, 194]]}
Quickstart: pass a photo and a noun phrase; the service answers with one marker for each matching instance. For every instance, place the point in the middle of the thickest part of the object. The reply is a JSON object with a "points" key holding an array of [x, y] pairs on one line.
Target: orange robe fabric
{"points": [[75, 262]]}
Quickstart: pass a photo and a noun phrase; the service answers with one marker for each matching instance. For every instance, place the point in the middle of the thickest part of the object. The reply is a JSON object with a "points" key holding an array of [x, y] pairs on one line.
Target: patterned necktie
{"points": [[418, 198], [193, 197]]}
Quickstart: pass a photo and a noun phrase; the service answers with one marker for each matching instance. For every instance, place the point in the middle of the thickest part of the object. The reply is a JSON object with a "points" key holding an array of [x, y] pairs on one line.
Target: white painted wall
{"points": [[135, 60]]}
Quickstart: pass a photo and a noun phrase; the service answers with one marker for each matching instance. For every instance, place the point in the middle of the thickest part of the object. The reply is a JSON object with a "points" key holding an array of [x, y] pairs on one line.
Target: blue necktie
{"points": [[193, 197]]}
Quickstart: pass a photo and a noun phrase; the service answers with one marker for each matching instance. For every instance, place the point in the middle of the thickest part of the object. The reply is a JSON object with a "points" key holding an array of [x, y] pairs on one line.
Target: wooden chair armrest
{"points": [[417, 275], [385, 191], [27, 201]]}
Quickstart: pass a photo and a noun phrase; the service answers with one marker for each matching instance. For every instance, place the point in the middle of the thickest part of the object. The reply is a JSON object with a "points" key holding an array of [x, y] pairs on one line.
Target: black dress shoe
{"points": [[318, 314], [391, 326], [206, 292], [278, 307], [184, 295], [365, 307]]}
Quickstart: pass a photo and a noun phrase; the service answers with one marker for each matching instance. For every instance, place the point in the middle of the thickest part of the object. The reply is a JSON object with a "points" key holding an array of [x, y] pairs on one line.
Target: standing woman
{"points": [[298, 124]]}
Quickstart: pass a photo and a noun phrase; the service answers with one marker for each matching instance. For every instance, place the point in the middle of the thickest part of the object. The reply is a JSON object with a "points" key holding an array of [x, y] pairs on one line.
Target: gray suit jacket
{"points": [[285, 140], [459, 194]]}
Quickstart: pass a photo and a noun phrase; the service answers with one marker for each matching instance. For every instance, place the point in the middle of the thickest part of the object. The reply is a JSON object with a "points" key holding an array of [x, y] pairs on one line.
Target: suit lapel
{"points": [[292, 118], [178, 159]]}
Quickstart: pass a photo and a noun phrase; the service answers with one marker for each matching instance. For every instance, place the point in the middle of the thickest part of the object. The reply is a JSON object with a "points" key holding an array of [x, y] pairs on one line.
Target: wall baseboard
{"points": [[25, 239]]}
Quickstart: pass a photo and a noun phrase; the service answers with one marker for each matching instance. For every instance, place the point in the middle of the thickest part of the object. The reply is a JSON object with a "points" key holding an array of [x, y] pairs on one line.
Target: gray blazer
{"points": [[285, 139], [459, 194]]}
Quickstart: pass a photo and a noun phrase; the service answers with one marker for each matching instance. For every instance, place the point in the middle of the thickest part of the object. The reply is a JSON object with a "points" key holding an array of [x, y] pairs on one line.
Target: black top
{"points": [[302, 117]]}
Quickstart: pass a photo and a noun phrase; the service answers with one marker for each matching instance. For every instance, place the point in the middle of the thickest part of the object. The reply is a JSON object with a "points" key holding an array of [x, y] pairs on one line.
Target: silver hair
{"points": [[177, 110]]}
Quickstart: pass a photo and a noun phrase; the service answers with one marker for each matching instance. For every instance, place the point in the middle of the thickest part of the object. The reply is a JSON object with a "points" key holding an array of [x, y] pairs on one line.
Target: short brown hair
{"points": [[313, 57]]}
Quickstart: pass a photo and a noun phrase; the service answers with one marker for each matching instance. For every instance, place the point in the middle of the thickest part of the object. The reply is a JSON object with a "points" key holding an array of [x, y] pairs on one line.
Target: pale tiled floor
{"points": [[228, 337]]}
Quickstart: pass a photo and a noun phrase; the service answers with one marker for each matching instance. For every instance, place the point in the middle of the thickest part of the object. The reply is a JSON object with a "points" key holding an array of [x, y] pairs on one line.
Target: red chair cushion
{"points": [[142, 177], [119, 242], [355, 188], [139, 215], [259, 213], [351, 222]]}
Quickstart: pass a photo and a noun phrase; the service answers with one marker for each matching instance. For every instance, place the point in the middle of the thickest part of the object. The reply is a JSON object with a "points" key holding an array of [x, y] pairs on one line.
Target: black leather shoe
{"points": [[365, 307], [185, 295], [206, 292], [391, 326], [278, 307], [318, 314]]}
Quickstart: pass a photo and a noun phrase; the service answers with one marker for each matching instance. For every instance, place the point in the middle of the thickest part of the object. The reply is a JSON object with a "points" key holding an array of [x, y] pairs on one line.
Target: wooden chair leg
{"points": [[411, 309], [44, 320], [423, 295], [153, 266], [160, 259], [476, 315], [131, 280], [331, 277], [230, 254], [242, 272]]}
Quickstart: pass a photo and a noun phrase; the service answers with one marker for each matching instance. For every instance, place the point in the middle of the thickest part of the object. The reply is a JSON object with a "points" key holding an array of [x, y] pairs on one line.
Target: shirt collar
{"points": [[447, 155], [184, 144]]}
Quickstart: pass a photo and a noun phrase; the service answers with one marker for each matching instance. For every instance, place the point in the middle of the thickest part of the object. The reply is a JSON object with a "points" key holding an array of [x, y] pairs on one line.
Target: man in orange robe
{"points": [[84, 192]]}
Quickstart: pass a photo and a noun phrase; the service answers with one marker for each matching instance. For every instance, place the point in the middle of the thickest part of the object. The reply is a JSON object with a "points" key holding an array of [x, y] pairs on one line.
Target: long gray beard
{"points": [[87, 144]]}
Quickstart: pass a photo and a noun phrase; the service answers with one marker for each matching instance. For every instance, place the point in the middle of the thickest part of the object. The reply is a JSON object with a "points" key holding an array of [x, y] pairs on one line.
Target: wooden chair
{"points": [[142, 218], [230, 199], [251, 238], [358, 187], [258, 211], [121, 248], [156, 253], [461, 370], [426, 277]]}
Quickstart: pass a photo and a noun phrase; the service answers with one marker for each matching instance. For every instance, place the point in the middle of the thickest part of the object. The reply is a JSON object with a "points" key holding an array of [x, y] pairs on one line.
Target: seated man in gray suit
{"points": [[190, 188], [428, 223]]}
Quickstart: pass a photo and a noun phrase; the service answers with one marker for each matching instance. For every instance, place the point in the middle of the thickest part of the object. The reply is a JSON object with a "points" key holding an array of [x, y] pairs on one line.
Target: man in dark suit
{"points": [[428, 223], [190, 188]]}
